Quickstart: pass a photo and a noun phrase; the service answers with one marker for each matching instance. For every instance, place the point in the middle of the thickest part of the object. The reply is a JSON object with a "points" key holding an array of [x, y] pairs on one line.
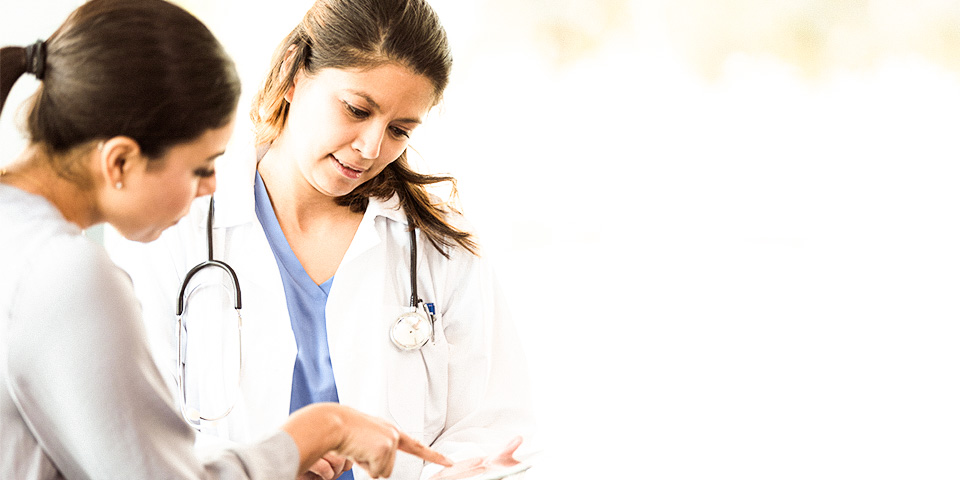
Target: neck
{"points": [[32, 172], [295, 202]]}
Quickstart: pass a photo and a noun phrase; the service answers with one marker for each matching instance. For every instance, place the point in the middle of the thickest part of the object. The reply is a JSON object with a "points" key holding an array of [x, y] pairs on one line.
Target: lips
{"points": [[346, 170]]}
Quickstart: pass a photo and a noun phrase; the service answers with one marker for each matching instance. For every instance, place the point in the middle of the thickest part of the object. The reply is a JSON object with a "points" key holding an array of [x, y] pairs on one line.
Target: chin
{"points": [[142, 236], [150, 237]]}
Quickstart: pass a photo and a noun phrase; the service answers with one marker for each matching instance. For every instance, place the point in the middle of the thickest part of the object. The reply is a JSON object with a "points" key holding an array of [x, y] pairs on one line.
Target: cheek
{"points": [[392, 149], [380, 166], [175, 196], [319, 125], [390, 152]]}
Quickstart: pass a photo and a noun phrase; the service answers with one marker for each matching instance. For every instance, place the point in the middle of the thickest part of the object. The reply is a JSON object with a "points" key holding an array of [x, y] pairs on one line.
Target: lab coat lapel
{"points": [[368, 234], [237, 230], [360, 293]]}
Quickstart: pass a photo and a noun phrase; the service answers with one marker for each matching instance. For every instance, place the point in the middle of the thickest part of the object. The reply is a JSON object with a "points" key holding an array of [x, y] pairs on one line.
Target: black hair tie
{"points": [[36, 58]]}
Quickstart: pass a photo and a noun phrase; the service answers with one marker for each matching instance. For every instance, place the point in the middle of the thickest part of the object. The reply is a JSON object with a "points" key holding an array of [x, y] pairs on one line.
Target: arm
{"points": [[85, 382], [157, 270], [156, 276]]}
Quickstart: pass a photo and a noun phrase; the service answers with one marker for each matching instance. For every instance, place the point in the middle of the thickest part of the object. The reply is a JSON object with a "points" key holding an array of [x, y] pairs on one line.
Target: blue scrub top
{"points": [[307, 305]]}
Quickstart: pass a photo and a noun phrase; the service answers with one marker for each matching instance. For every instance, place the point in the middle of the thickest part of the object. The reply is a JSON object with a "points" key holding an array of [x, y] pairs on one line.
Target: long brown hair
{"points": [[361, 34], [145, 69]]}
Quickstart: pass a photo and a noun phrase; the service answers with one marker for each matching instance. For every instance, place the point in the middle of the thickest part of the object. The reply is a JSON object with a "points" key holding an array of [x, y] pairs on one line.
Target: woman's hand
{"points": [[369, 442], [329, 467], [477, 465]]}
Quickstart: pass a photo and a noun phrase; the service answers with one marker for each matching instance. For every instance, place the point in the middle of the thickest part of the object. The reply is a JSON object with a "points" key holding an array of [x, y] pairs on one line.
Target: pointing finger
{"points": [[413, 447]]}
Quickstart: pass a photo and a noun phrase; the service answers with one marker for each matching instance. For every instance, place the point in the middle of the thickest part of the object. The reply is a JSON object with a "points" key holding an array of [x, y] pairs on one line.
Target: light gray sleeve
{"points": [[84, 380]]}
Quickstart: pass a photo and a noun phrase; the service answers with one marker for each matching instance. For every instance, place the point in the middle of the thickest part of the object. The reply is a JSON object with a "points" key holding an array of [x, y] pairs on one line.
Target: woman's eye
{"points": [[204, 172], [356, 112], [399, 132]]}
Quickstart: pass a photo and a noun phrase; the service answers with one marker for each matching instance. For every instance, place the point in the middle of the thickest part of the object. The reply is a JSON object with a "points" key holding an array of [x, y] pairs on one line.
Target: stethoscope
{"points": [[411, 331], [193, 415]]}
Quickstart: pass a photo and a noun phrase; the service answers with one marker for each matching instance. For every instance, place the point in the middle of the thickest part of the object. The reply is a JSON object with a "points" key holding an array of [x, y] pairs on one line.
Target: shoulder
{"points": [[52, 255], [457, 258], [452, 214], [42, 240], [76, 266], [30, 219], [395, 215], [72, 289]]}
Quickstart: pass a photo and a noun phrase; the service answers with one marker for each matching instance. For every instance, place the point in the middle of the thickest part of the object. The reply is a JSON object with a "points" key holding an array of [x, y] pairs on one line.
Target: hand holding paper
{"points": [[493, 467]]}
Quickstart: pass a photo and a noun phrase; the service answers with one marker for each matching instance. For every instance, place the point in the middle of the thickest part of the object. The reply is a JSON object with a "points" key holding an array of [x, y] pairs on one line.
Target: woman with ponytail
{"points": [[137, 99], [318, 230]]}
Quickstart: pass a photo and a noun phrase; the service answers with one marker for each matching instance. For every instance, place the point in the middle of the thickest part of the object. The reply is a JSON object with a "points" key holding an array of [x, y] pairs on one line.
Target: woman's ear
{"points": [[116, 156], [285, 70]]}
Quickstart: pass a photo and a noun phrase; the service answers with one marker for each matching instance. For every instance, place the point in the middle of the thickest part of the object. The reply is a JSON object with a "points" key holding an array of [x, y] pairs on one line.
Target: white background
{"points": [[729, 230]]}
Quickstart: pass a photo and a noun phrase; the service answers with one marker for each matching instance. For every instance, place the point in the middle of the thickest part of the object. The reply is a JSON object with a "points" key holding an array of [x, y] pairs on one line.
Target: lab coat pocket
{"points": [[406, 382], [417, 387]]}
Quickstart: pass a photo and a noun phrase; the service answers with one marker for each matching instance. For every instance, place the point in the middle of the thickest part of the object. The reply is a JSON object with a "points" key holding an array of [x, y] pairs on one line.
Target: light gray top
{"points": [[80, 395]]}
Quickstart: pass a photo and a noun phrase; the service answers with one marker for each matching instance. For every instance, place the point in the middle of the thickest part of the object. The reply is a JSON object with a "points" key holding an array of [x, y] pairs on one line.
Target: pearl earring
{"points": [[119, 185]]}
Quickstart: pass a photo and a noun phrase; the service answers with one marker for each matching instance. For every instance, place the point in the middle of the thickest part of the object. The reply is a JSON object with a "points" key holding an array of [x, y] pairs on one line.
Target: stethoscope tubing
{"points": [[193, 415], [414, 299], [208, 263]]}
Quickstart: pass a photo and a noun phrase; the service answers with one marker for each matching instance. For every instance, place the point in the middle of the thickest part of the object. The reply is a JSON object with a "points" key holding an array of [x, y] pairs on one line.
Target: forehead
{"points": [[394, 88], [207, 146]]}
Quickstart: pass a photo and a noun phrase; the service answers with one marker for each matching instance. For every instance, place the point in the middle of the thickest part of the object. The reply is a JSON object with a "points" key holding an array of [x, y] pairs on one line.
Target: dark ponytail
{"points": [[409, 186], [146, 69], [13, 64]]}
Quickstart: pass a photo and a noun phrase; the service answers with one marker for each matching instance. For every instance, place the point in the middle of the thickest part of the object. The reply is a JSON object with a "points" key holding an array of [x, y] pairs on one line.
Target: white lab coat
{"points": [[465, 393]]}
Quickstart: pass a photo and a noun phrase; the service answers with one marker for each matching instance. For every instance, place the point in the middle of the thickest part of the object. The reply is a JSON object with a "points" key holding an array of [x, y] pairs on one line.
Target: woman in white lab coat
{"points": [[136, 100], [326, 201]]}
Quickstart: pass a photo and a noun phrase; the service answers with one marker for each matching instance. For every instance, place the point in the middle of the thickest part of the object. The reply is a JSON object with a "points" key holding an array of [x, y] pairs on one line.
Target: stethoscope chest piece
{"points": [[411, 331]]}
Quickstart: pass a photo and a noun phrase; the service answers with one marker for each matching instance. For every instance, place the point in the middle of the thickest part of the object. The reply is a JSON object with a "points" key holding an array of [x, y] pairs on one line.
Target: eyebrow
{"points": [[215, 155], [376, 105]]}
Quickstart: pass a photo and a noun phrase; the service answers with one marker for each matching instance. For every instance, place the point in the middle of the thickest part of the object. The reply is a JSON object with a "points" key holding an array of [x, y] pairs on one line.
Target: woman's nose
{"points": [[368, 142], [207, 185]]}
